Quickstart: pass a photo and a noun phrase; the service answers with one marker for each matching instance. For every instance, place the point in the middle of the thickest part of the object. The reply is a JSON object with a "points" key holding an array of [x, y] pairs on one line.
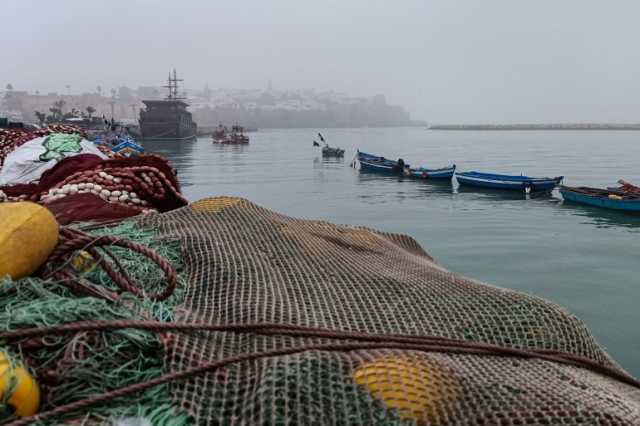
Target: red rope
{"points": [[73, 240]]}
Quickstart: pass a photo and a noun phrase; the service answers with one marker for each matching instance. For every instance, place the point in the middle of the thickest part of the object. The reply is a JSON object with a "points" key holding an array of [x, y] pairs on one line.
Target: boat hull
{"points": [[332, 152], [607, 203], [507, 182], [445, 173], [390, 169], [375, 164]]}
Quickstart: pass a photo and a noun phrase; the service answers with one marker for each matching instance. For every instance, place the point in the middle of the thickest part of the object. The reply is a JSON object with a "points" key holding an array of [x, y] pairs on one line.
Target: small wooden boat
{"points": [[223, 136], [424, 173], [509, 182], [626, 198], [328, 151], [373, 163]]}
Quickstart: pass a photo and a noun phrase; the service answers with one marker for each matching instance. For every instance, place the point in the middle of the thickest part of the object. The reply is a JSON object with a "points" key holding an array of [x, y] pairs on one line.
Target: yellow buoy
{"points": [[83, 262], [414, 387], [17, 387], [214, 204], [28, 234]]}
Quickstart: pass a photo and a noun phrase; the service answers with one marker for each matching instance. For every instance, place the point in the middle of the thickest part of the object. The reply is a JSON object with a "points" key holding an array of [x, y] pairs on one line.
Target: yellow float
{"points": [[28, 234], [17, 388], [415, 387]]}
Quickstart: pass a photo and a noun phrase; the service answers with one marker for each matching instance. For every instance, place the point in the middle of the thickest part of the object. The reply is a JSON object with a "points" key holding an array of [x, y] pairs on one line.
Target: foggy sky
{"points": [[445, 61]]}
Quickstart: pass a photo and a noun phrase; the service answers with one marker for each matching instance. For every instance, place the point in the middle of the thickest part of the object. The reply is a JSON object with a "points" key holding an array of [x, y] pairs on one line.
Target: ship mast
{"points": [[172, 85]]}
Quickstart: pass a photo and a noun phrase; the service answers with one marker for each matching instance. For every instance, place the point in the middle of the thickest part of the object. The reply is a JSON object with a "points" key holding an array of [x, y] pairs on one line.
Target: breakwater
{"points": [[551, 126]]}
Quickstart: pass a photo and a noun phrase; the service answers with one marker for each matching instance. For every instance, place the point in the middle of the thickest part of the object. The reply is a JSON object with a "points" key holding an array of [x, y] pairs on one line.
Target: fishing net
{"points": [[245, 264], [10, 139], [73, 367], [88, 188], [305, 322]]}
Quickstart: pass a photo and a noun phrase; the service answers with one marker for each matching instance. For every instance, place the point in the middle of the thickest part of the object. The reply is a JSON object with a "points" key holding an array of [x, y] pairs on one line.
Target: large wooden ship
{"points": [[167, 119]]}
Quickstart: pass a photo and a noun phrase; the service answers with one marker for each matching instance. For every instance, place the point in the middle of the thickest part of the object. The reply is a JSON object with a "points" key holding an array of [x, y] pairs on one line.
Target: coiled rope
{"points": [[72, 240]]}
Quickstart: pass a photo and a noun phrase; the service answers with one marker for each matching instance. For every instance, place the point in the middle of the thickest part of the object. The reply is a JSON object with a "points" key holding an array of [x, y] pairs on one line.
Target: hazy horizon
{"points": [[444, 61]]}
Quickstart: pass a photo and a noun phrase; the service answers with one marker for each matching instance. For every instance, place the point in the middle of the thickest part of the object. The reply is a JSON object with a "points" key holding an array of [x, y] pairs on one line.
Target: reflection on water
{"points": [[328, 162], [497, 194], [236, 149], [177, 151], [581, 257], [365, 177], [601, 217], [435, 186]]}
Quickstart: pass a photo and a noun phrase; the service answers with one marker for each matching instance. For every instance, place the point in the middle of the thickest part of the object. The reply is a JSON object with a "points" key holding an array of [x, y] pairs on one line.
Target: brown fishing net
{"points": [[246, 264]]}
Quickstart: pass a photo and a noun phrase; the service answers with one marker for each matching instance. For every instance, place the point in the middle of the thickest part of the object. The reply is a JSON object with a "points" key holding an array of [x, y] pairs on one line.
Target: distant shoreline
{"points": [[567, 126]]}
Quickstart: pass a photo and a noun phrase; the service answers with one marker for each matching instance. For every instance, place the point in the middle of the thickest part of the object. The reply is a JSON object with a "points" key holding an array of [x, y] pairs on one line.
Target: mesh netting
{"points": [[246, 264]]}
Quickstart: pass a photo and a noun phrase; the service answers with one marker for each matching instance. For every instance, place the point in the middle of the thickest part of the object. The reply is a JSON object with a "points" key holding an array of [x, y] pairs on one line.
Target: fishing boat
{"points": [[373, 163], [167, 119], [328, 151], [509, 182], [626, 197], [223, 136], [424, 173]]}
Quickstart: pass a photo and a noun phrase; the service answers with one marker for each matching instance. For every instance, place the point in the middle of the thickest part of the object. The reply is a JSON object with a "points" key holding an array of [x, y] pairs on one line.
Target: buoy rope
{"points": [[365, 341]]}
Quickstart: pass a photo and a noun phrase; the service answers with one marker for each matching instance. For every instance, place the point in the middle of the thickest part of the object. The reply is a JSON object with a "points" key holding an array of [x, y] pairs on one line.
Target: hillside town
{"points": [[253, 108]]}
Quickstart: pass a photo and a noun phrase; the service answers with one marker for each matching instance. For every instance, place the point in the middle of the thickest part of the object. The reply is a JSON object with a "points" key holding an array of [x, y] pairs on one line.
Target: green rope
{"points": [[70, 368]]}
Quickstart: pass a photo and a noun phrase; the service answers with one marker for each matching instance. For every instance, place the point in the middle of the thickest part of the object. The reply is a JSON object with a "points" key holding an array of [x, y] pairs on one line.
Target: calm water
{"points": [[584, 258]]}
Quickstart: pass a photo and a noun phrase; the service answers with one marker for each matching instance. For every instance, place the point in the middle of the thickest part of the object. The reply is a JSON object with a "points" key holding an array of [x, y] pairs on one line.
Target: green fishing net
{"points": [[72, 367]]}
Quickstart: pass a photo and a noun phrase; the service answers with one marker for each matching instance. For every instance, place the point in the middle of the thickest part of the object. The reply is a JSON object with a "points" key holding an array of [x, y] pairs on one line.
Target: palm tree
{"points": [[41, 116], [56, 110]]}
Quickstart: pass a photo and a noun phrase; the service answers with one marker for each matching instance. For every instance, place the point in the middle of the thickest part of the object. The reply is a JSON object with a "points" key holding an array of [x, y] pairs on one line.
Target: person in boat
{"points": [[399, 167]]}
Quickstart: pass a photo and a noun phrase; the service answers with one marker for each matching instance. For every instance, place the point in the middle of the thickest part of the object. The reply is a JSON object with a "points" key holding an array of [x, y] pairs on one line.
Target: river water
{"points": [[586, 259]]}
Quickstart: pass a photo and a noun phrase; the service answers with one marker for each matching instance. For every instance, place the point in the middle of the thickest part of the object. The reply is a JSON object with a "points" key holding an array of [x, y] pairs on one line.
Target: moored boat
{"points": [[167, 119], [611, 198], [223, 136], [376, 164], [509, 182], [328, 151], [424, 173], [373, 163]]}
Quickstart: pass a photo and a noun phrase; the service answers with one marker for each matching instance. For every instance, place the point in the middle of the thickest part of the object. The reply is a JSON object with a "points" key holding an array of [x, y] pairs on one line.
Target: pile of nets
{"points": [[85, 187], [10, 139], [78, 186], [70, 367], [289, 321]]}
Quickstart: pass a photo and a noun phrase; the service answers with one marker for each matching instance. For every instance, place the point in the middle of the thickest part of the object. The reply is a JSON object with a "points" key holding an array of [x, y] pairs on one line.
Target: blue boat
{"points": [[376, 164], [509, 182], [424, 173], [128, 147], [606, 198]]}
